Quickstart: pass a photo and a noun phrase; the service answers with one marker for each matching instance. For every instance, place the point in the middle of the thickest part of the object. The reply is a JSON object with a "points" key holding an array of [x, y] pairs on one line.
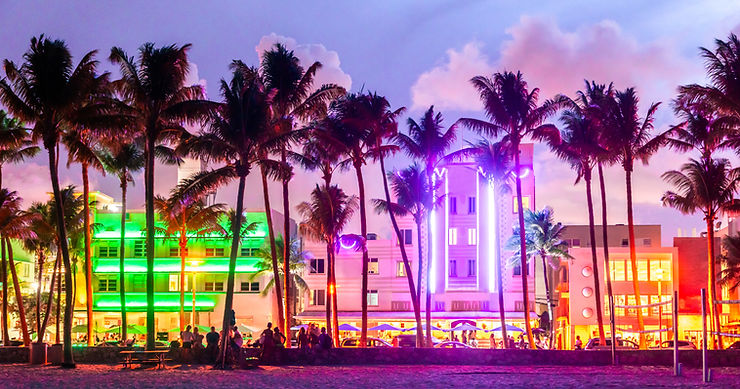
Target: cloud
{"points": [[331, 70], [194, 79]]}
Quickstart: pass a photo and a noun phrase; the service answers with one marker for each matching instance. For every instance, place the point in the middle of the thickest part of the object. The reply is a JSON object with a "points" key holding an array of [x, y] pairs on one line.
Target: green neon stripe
{"points": [[111, 302], [172, 265]]}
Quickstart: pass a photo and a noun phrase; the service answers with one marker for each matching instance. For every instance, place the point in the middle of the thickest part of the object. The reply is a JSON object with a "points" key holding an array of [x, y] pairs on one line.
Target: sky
{"points": [[417, 54]]}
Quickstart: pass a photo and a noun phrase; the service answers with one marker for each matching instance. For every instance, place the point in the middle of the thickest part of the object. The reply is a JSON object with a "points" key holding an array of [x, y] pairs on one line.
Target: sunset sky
{"points": [[416, 53]]}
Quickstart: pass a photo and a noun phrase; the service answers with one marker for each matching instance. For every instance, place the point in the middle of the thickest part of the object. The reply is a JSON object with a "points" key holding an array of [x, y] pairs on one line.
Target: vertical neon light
{"points": [[493, 261], [447, 228], [477, 231], [432, 234]]}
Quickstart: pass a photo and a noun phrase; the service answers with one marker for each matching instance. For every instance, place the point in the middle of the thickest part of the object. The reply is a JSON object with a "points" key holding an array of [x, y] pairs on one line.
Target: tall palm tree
{"points": [[83, 149], [294, 100], [233, 137], [707, 186], [581, 148], [427, 142], [123, 159], [512, 112], [14, 224], [545, 240], [50, 92], [15, 142], [413, 197], [629, 136], [324, 218], [495, 162], [184, 218], [158, 102], [730, 273], [703, 130], [298, 259]]}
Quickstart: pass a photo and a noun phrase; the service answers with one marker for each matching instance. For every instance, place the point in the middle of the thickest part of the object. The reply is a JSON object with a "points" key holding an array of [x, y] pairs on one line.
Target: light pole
{"points": [[193, 264]]}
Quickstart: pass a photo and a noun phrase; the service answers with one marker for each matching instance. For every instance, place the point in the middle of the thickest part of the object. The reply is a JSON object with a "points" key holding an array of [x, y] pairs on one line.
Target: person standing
{"points": [[302, 340], [579, 343], [279, 338], [324, 340], [268, 344], [187, 338], [212, 344]]}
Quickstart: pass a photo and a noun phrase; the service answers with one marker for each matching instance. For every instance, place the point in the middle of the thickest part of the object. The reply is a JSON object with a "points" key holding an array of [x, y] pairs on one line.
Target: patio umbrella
{"points": [[82, 328], [384, 327], [424, 327], [298, 327], [131, 329], [509, 328], [245, 328], [465, 327], [348, 327]]}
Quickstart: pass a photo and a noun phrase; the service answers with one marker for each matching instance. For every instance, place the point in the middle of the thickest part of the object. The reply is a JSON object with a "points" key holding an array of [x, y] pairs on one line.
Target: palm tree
{"points": [[703, 130], [427, 142], [158, 102], [494, 160], [544, 239], [298, 259], [513, 112], [183, 218], [293, 100], [706, 186], [123, 159], [50, 92], [413, 197], [83, 149], [730, 273], [580, 147], [233, 137], [629, 137], [324, 218], [15, 142], [14, 224]]}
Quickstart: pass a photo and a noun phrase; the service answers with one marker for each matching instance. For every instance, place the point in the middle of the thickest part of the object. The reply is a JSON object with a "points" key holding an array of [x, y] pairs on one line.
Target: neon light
{"points": [[492, 242], [172, 265], [142, 235], [477, 230], [447, 230], [162, 301], [348, 243], [525, 172], [432, 234]]}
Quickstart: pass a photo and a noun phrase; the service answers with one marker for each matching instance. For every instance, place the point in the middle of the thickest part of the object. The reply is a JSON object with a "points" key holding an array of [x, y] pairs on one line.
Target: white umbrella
{"points": [[465, 327], [246, 328]]}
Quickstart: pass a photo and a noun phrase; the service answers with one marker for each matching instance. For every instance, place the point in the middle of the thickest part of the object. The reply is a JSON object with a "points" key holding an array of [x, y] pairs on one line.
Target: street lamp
{"points": [[193, 264]]}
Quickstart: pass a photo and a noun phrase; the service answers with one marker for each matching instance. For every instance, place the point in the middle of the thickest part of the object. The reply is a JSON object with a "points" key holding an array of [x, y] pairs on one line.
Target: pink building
{"points": [[463, 260]]}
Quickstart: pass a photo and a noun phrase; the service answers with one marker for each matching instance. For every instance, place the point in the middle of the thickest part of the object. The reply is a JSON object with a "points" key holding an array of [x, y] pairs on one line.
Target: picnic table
{"points": [[144, 356]]}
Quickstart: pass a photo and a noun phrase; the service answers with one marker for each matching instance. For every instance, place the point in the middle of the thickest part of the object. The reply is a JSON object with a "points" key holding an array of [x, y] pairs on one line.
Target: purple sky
{"points": [[415, 53]]}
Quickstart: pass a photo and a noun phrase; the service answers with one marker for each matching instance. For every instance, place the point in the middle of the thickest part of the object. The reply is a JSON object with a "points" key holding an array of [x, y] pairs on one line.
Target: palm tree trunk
{"points": [[18, 296], [149, 200], [88, 254], [365, 258], [523, 249], [4, 275], [594, 258], [428, 296], [122, 262], [50, 298], [607, 266], [235, 239], [286, 248], [499, 275], [39, 274], [419, 273], [182, 244], [633, 256], [59, 308], [68, 360], [273, 250], [329, 289], [404, 256], [548, 295], [713, 308]]}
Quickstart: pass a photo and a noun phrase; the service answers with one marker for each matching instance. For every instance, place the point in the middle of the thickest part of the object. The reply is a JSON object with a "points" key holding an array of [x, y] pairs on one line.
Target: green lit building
{"points": [[206, 269]]}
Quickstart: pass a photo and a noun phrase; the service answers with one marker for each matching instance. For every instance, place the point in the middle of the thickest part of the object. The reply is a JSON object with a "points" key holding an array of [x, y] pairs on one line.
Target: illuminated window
{"points": [[471, 205], [631, 301], [452, 238], [401, 269], [642, 270], [617, 270], [139, 249], [316, 266], [453, 205], [619, 300], [372, 298], [107, 283], [525, 203], [654, 299], [667, 308], [372, 266], [471, 267], [318, 297], [174, 285], [644, 301], [214, 252], [139, 282], [248, 252], [472, 236], [660, 270], [106, 251], [175, 251], [453, 268]]}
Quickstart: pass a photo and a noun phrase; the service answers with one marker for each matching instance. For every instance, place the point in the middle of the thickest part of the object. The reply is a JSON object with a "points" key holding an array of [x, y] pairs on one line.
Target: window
{"points": [[318, 297], [576, 243], [401, 269], [525, 203], [452, 238], [660, 270], [625, 242], [372, 266], [471, 267], [617, 270], [406, 236], [108, 283], [250, 287], [317, 266], [139, 249], [213, 283], [108, 251], [174, 285], [372, 298], [248, 252], [642, 270], [214, 251], [175, 251], [518, 270], [647, 242], [453, 268], [139, 282], [471, 205], [453, 205], [472, 236]]}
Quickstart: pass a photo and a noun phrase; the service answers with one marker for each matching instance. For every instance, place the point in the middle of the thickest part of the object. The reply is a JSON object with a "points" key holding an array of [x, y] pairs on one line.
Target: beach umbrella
{"points": [[131, 329], [465, 327], [509, 328], [298, 327], [348, 327], [82, 328], [424, 327], [245, 328], [384, 327]]}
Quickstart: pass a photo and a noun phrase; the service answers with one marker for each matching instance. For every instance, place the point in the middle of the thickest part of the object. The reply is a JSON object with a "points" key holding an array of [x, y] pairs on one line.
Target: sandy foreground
{"points": [[177, 376]]}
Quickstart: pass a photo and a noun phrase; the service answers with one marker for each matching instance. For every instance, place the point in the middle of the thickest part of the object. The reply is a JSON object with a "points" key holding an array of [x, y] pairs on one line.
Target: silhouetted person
{"points": [[324, 340], [268, 344], [302, 339], [212, 344]]}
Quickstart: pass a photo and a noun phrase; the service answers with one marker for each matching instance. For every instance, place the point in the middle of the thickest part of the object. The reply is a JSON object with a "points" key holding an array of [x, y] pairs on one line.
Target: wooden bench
{"points": [[143, 356]]}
